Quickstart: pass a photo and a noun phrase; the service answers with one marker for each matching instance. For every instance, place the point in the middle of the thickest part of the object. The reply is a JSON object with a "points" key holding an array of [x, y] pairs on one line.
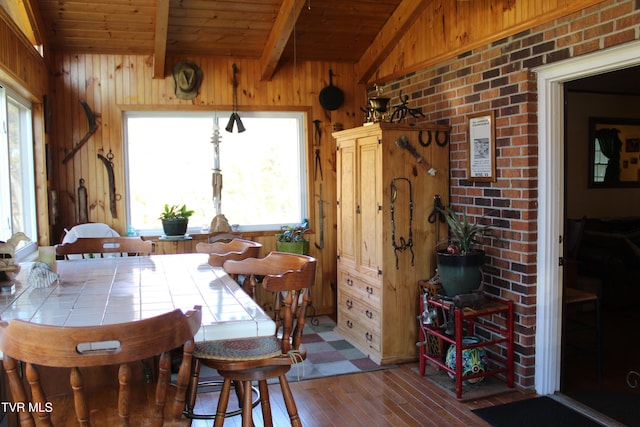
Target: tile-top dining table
{"points": [[101, 291]]}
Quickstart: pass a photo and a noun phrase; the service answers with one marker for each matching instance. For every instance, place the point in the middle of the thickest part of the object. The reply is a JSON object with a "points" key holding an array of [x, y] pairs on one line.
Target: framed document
{"points": [[482, 147]]}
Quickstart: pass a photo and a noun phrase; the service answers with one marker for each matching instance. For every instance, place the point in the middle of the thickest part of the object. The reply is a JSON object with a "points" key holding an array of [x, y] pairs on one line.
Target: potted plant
{"points": [[291, 239], [175, 220], [460, 263]]}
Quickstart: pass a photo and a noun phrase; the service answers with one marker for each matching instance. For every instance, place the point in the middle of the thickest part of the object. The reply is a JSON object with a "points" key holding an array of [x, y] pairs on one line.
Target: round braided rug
{"points": [[239, 349]]}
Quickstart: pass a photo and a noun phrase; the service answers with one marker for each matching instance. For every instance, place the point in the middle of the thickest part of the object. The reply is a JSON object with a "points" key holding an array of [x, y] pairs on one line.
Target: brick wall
{"points": [[498, 77]]}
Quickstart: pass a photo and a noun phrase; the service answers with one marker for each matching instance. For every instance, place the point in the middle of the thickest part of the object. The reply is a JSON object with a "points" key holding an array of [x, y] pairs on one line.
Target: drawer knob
{"points": [[369, 290], [349, 282], [349, 324], [368, 336], [349, 304], [369, 314]]}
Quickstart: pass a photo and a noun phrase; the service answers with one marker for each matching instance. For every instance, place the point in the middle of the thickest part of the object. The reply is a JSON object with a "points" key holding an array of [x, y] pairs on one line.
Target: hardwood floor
{"points": [[393, 397]]}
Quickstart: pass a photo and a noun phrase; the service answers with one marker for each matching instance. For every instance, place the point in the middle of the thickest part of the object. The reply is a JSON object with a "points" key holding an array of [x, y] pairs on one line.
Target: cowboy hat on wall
{"points": [[187, 77]]}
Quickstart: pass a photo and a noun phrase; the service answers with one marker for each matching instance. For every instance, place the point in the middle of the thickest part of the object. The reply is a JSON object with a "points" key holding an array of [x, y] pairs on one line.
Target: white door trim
{"points": [[551, 198]]}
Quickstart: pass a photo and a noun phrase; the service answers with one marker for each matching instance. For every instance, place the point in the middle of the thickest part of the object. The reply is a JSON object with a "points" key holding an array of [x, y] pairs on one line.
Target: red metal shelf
{"points": [[474, 322]]}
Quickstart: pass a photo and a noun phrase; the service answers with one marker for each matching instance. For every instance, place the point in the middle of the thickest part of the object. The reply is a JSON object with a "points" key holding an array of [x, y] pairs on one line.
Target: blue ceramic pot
{"points": [[474, 360]]}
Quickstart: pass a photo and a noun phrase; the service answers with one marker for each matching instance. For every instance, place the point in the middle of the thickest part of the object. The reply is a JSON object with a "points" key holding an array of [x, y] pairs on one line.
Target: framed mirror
{"points": [[614, 152]]}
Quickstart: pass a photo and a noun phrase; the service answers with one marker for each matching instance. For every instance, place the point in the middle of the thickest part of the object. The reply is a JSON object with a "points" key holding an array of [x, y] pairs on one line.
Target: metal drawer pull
{"points": [[369, 314], [349, 304], [368, 336], [369, 290], [349, 282], [349, 324]]}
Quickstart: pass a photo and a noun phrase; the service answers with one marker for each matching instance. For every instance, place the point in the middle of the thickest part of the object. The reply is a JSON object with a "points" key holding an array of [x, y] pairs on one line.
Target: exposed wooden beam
{"points": [[32, 9], [279, 36], [403, 17], [160, 41]]}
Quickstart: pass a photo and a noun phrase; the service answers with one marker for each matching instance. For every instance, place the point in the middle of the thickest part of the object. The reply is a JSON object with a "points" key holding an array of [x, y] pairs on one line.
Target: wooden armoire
{"points": [[385, 242]]}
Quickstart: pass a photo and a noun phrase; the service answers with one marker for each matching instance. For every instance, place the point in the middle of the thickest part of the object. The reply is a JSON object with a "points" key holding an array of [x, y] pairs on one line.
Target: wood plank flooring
{"points": [[393, 397]]}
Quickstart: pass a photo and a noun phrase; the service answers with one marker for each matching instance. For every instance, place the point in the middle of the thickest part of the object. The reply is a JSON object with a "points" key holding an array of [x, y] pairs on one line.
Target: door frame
{"points": [[551, 115]]}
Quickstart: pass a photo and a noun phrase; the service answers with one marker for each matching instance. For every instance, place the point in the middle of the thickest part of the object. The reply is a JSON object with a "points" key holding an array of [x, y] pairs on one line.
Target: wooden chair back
{"points": [[28, 347], [97, 247], [290, 277], [236, 249]]}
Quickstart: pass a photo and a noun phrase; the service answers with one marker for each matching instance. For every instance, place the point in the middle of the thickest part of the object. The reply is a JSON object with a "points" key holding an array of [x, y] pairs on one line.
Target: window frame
{"points": [[222, 117], [27, 172]]}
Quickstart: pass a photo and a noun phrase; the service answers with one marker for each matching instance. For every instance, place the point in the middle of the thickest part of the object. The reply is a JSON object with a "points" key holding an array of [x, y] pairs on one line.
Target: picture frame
{"points": [[481, 152], [621, 139]]}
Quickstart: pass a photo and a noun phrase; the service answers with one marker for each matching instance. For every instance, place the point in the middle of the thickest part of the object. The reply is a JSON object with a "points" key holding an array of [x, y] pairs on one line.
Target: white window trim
{"points": [[222, 117], [28, 174]]}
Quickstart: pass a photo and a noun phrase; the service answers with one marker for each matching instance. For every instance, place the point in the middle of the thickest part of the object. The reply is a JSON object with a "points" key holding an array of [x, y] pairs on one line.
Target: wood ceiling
{"points": [[269, 30]]}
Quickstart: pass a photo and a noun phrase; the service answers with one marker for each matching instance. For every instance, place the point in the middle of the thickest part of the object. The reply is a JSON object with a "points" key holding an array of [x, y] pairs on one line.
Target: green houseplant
{"points": [[175, 219], [460, 263], [291, 239]]}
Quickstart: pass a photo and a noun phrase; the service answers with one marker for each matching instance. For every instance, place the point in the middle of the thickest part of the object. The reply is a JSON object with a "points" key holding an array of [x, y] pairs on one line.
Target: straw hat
{"points": [[187, 77]]}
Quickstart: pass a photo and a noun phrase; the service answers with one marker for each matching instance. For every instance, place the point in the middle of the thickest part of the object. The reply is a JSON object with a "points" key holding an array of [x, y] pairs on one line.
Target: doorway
{"points": [[605, 219], [551, 80]]}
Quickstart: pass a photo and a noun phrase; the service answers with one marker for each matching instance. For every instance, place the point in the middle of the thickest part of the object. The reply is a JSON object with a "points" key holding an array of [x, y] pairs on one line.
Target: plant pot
{"points": [[474, 360], [301, 248], [175, 227], [460, 274]]}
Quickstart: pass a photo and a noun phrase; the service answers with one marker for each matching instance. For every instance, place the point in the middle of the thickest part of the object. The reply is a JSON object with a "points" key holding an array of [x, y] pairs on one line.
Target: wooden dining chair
{"points": [[127, 399], [98, 247], [290, 278], [235, 249]]}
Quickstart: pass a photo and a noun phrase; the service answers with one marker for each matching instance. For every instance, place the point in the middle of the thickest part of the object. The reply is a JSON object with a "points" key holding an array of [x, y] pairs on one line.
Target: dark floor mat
{"points": [[536, 412]]}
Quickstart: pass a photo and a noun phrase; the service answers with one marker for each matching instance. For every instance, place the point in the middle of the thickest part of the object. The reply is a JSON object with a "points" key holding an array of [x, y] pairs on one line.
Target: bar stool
{"points": [[220, 252]]}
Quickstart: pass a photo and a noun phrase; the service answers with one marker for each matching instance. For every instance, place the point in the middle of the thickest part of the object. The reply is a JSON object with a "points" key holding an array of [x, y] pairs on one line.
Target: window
{"points": [[17, 183], [600, 162], [170, 160]]}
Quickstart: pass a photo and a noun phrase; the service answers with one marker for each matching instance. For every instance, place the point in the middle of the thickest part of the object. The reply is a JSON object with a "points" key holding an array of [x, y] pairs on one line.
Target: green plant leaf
{"points": [[464, 232]]}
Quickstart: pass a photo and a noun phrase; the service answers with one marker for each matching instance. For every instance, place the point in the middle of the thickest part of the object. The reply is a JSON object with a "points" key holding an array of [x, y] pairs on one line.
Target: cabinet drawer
{"points": [[361, 335], [365, 290], [363, 313]]}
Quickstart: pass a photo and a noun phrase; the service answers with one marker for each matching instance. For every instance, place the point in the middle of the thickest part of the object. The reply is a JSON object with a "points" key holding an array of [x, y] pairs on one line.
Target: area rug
{"points": [[535, 412], [328, 354]]}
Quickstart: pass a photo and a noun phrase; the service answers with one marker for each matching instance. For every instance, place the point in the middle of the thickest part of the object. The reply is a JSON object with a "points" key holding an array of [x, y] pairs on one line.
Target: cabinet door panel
{"points": [[370, 217], [346, 203]]}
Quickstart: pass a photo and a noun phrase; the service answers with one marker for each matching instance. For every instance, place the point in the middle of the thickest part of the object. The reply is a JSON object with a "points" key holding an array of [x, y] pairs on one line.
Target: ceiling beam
{"points": [[32, 9], [160, 41], [387, 39], [279, 36]]}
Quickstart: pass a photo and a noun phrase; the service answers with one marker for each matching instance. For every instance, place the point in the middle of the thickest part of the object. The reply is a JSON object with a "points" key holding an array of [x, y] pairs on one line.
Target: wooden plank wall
{"points": [[450, 27], [112, 84], [20, 63]]}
